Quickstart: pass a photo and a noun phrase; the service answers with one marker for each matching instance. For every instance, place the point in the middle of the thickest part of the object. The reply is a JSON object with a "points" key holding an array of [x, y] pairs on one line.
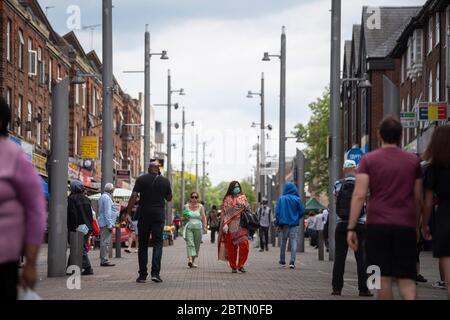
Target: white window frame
{"points": [[32, 59], [437, 28], [29, 118], [94, 100], [49, 133], [19, 114], [8, 40], [438, 82], [39, 129], [58, 73], [430, 87], [76, 87], [75, 144], [21, 50], [430, 34], [83, 100], [50, 76], [403, 69]]}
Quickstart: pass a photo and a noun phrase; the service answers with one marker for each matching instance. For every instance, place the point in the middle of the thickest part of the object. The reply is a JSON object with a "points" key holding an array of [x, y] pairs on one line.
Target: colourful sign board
{"points": [[39, 163], [433, 111]]}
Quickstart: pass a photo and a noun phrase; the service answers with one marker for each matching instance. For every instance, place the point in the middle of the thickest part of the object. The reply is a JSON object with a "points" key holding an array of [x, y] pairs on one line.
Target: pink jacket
{"points": [[22, 203]]}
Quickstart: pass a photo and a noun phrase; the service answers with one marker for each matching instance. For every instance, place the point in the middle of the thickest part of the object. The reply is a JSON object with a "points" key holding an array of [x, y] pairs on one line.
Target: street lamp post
{"points": [[184, 123], [147, 106], [282, 140], [107, 112], [169, 137], [262, 178], [196, 163]]}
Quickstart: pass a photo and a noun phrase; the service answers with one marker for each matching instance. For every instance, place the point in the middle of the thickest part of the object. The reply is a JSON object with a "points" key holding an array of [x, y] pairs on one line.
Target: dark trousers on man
{"points": [[341, 255], [264, 238], [213, 233], [9, 277], [156, 229]]}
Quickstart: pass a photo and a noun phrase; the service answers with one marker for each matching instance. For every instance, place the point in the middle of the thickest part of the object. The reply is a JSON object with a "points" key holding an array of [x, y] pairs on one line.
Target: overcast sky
{"points": [[215, 49]]}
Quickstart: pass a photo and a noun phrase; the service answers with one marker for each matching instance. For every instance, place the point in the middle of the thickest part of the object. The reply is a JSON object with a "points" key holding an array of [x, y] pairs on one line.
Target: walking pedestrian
{"points": [[264, 214], [132, 222], [193, 230], [437, 181], [395, 200], [343, 191], [107, 216], [153, 191], [22, 213], [213, 222], [326, 213], [233, 239], [79, 212], [289, 211], [310, 228], [177, 223]]}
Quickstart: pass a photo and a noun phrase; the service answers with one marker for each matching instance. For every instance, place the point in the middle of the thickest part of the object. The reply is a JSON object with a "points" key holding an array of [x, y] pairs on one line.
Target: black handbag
{"points": [[249, 220]]}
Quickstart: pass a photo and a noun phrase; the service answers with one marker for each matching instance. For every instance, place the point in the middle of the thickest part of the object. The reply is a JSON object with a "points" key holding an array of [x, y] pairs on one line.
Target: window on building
{"points": [[50, 76], [77, 93], [438, 82], [430, 87], [29, 120], [49, 133], [8, 41], [39, 128], [403, 69], [19, 115], [21, 50], [438, 28], [32, 59], [75, 142], [58, 74], [409, 55], [41, 66], [8, 101], [418, 47], [83, 95], [430, 34], [94, 101]]}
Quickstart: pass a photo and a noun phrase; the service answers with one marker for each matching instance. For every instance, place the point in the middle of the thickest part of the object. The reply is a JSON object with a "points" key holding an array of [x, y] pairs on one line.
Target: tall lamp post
{"points": [[169, 138], [282, 140], [108, 92], [184, 123], [147, 106], [263, 138]]}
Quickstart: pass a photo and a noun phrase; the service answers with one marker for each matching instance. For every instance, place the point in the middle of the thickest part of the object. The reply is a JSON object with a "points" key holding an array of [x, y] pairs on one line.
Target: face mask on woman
{"points": [[237, 190]]}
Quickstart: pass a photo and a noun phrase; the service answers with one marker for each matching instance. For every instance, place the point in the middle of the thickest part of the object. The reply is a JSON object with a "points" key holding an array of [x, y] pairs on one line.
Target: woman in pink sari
{"points": [[233, 239]]}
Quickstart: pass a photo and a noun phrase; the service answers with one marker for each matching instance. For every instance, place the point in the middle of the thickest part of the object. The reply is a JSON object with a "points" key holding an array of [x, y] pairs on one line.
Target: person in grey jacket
{"points": [[106, 220]]}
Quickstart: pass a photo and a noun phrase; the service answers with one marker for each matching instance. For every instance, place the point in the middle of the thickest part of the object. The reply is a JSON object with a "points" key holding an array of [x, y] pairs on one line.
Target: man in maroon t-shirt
{"points": [[393, 178]]}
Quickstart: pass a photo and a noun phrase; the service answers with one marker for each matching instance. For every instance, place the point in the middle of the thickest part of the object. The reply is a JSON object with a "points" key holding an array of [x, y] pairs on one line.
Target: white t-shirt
{"points": [[318, 222]]}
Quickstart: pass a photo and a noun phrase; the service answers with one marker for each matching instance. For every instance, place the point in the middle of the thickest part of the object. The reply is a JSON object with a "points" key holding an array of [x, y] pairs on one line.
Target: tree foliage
{"points": [[315, 135]]}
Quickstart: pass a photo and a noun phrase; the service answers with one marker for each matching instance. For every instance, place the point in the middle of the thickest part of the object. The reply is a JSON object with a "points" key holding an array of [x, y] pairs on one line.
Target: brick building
{"points": [[33, 57], [422, 50]]}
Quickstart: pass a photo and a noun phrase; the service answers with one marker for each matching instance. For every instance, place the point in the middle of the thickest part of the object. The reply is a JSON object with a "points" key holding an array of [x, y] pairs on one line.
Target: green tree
{"points": [[315, 135]]}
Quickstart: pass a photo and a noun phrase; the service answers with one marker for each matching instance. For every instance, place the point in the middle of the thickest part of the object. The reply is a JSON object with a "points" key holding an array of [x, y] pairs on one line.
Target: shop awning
{"points": [[314, 205], [119, 194]]}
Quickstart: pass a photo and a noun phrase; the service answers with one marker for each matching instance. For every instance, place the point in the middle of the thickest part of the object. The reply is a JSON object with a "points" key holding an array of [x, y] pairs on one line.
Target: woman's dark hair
{"points": [[5, 117], [192, 193], [391, 130], [214, 207], [438, 151], [231, 188]]}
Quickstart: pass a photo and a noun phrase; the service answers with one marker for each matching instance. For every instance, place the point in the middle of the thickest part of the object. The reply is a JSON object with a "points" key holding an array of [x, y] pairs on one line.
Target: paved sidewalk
{"points": [[265, 280]]}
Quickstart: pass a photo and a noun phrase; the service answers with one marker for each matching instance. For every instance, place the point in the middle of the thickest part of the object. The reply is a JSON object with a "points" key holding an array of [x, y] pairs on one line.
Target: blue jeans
{"points": [[290, 232]]}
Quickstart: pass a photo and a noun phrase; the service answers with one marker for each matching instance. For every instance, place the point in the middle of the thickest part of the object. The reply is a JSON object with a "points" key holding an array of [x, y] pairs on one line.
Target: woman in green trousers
{"points": [[194, 228]]}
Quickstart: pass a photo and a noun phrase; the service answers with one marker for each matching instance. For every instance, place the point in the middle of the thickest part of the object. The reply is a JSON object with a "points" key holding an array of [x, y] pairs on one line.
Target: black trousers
{"points": [[341, 255], [213, 234], [9, 277], [264, 237], [156, 229]]}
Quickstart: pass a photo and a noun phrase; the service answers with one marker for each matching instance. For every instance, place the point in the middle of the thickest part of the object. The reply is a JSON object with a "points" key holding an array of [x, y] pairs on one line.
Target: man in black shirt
{"points": [[153, 190]]}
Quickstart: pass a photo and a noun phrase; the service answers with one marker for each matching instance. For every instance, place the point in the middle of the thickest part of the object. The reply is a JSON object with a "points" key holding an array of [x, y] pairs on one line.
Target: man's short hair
{"points": [[391, 130]]}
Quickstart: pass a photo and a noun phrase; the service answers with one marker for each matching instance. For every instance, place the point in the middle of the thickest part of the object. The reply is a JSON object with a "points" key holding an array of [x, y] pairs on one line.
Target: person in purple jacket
{"points": [[22, 213]]}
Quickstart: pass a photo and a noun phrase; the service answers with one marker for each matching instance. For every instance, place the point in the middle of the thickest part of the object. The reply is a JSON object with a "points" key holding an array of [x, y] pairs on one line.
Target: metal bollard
{"points": [[76, 249], [321, 246], [118, 243]]}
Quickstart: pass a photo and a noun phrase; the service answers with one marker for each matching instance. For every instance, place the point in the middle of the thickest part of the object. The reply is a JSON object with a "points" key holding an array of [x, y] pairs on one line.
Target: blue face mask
{"points": [[237, 190]]}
